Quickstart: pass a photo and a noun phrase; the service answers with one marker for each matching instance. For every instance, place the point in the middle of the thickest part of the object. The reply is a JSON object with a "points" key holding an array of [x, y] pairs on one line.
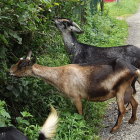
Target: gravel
{"points": [[127, 131]]}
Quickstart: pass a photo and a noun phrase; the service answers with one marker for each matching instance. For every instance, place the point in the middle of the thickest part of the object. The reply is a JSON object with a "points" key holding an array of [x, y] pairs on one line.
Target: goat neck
{"points": [[49, 74], [71, 42]]}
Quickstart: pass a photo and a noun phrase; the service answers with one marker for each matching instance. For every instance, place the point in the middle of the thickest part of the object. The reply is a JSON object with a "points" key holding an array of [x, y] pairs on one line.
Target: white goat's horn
{"points": [[75, 24], [29, 55], [21, 58]]}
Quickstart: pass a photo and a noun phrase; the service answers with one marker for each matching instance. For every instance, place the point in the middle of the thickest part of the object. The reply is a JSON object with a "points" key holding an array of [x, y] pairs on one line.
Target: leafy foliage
{"points": [[104, 31], [5, 118]]}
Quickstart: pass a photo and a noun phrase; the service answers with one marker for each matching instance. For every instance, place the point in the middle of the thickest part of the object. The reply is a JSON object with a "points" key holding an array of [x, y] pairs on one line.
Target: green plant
{"points": [[30, 130], [5, 118], [104, 31]]}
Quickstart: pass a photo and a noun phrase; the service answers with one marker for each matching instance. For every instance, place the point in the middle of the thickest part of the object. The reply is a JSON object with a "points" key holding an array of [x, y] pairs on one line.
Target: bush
{"points": [[5, 118]]}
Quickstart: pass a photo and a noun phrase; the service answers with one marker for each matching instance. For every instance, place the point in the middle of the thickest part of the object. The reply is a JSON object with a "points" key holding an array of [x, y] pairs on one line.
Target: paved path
{"points": [[127, 131], [134, 29]]}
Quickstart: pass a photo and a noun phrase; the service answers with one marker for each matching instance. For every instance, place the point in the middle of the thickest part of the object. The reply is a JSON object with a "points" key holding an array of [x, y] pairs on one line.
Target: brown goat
{"points": [[94, 83]]}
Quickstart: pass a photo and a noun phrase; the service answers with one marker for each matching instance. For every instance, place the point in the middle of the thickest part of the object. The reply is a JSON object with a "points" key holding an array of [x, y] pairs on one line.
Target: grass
{"points": [[106, 31], [123, 8]]}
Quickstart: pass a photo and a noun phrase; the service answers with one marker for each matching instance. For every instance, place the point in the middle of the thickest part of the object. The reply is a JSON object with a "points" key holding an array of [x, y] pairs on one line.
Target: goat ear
{"points": [[75, 29], [76, 25]]}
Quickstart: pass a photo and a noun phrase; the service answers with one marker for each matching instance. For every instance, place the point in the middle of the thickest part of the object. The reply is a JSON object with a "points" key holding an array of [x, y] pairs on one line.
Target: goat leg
{"points": [[122, 110], [134, 104], [78, 104], [133, 85], [127, 97]]}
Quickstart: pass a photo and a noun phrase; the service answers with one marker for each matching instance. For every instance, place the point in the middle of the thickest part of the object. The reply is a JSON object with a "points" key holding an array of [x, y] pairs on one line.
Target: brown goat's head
{"points": [[22, 67], [65, 25]]}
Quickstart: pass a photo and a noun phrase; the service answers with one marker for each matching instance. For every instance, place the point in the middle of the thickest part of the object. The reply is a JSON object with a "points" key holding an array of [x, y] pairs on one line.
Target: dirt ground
{"points": [[127, 131]]}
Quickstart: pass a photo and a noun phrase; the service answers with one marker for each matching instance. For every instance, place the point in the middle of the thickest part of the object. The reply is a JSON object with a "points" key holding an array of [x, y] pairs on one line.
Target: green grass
{"points": [[105, 31], [122, 8]]}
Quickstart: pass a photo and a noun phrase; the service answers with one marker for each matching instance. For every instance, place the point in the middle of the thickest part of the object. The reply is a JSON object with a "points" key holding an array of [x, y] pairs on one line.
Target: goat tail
{"points": [[48, 129]]}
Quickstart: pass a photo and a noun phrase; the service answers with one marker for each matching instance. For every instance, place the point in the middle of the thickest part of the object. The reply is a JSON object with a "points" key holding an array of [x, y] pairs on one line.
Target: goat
{"points": [[84, 53], [47, 132], [92, 82]]}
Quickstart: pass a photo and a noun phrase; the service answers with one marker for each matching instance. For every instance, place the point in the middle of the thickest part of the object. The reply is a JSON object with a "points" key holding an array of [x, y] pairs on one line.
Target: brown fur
{"points": [[63, 20], [95, 83]]}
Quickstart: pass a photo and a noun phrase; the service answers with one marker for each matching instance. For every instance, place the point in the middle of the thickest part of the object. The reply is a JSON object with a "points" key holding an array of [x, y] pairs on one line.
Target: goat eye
{"points": [[69, 24], [61, 23], [65, 25]]}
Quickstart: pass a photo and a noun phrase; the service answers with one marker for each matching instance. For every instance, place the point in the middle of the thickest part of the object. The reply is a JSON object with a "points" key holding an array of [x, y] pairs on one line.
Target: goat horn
{"points": [[75, 24], [29, 55]]}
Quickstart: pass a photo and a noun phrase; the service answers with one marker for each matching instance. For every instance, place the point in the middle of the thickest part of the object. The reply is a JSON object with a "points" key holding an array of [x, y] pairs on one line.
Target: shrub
{"points": [[5, 118]]}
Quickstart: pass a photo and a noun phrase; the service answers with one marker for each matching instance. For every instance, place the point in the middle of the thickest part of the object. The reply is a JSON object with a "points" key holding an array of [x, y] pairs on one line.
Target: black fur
{"points": [[11, 133], [97, 55], [41, 137]]}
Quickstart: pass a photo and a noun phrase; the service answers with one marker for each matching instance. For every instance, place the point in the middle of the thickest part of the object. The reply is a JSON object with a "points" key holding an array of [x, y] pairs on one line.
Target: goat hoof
{"points": [[132, 120], [114, 129]]}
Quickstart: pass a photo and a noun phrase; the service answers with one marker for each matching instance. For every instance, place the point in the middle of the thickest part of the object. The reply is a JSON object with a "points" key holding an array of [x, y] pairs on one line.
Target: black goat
{"points": [[11, 133], [47, 131], [83, 53]]}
